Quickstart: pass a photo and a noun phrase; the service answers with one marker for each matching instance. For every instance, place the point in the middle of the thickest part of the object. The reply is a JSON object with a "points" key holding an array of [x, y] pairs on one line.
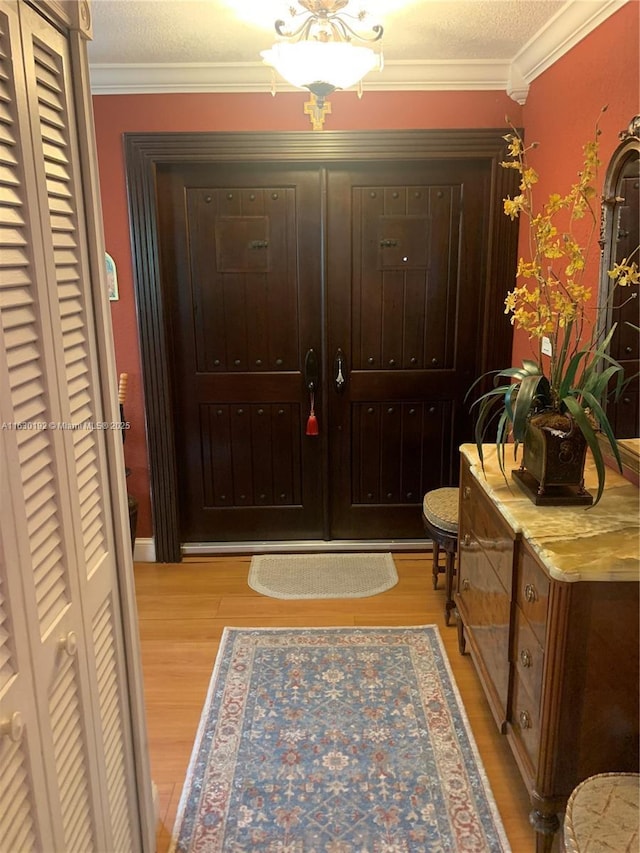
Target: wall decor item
{"points": [[112, 278]]}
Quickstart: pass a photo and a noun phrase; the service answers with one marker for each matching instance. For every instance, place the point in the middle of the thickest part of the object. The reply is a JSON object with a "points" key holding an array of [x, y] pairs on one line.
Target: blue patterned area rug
{"points": [[335, 740]]}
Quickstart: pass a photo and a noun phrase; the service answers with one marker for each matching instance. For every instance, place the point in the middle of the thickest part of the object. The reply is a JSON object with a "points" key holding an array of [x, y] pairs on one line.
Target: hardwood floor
{"points": [[182, 611]]}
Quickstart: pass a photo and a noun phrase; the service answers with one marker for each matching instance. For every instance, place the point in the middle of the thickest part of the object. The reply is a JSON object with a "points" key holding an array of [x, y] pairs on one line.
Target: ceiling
{"points": [[214, 45]]}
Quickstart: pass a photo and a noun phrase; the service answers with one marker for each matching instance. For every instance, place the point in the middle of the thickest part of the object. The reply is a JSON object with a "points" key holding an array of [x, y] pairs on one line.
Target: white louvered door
{"points": [[75, 778], [22, 825]]}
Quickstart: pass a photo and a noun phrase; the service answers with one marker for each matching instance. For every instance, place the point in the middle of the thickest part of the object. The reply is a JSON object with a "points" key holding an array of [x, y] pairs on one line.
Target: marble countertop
{"points": [[600, 543]]}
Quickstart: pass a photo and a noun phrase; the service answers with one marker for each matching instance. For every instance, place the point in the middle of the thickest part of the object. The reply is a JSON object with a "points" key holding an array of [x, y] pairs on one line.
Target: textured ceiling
{"points": [[154, 45]]}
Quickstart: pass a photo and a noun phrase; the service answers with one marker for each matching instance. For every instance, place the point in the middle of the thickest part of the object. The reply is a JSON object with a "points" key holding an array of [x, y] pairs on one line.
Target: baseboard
{"points": [[302, 546], [144, 551]]}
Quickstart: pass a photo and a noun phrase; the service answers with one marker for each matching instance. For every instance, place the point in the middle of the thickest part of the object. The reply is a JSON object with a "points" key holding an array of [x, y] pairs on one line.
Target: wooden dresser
{"points": [[548, 606]]}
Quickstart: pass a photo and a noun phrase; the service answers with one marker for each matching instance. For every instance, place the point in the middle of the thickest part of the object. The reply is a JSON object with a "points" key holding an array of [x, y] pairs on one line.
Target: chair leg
{"points": [[449, 574], [436, 563]]}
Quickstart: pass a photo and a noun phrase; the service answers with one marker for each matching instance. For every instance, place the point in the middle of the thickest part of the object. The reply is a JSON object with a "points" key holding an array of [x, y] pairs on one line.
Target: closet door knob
{"points": [[525, 720], [13, 727], [69, 644]]}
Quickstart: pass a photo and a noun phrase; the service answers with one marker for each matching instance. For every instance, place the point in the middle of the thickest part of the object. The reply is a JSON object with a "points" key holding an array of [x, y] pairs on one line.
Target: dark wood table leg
{"points": [[462, 643], [546, 826]]}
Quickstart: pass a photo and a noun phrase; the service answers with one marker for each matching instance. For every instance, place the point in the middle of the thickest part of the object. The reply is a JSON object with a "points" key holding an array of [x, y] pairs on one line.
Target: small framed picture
{"points": [[112, 278]]}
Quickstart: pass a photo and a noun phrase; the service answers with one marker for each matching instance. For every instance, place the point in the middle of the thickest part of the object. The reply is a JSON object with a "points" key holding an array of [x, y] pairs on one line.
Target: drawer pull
{"points": [[466, 493], [465, 584], [530, 593], [525, 658], [525, 720], [467, 540]]}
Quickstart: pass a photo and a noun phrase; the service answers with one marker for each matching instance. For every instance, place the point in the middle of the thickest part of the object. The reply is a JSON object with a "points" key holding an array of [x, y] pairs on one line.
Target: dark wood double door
{"points": [[379, 269]]}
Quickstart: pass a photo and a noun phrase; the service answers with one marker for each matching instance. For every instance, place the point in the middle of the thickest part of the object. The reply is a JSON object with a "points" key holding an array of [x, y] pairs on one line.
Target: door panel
{"points": [[242, 251], [403, 300], [388, 442], [241, 256], [270, 475]]}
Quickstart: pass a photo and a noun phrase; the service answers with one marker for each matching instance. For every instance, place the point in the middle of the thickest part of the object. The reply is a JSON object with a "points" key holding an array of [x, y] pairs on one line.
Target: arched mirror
{"points": [[619, 239]]}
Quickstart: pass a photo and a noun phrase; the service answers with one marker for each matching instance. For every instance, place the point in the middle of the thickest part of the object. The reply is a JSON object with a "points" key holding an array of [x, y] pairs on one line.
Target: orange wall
{"points": [[560, 111], [563, 106]]}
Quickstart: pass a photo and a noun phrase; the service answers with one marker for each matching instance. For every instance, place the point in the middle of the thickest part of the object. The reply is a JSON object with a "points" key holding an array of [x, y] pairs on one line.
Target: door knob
{"points": [[12, 727], [339, 371], [69, 644]]}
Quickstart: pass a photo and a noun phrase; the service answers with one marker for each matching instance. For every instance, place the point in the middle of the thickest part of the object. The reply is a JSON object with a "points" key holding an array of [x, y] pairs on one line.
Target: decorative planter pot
{"points": [[553, 459]]}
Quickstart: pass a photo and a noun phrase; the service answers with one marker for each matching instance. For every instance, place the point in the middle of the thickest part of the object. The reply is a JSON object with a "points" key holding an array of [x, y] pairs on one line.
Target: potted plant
{"points": [[554, 403]]}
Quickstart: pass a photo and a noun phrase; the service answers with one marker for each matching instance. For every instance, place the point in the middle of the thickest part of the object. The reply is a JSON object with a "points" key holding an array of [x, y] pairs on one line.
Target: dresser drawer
{"points": [[528, 656], [532, 593], [480, 522], [485, 609], [525, 722]]}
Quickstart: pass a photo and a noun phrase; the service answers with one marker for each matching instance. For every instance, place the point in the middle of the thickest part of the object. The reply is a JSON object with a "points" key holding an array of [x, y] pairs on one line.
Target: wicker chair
{"points": [[602, 814]]}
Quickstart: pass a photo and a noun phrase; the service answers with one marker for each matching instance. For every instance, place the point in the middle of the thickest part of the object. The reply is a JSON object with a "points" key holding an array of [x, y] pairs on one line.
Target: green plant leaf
{"points": [[593, 359], [623, 385], [483, 421], [508, 400], [534, 390], [502, 433], [570, 374], [514, 372], [530, 367], [605, 426], [578, 414], [599, 382], [497, 393], [478, 381]]}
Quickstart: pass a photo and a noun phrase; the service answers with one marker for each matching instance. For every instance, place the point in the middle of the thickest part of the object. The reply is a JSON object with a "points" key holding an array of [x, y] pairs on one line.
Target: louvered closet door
{"points": [[24, 816], [58, 475], [31, 486]]}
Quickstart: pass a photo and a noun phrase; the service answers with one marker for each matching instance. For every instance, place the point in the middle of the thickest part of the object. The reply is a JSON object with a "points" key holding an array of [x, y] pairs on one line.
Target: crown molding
{"points": [[573, 22], [131, 79]]}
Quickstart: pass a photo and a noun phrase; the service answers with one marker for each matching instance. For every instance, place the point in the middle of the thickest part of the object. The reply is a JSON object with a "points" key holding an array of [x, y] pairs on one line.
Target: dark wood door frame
{"points": [[144, 152]]}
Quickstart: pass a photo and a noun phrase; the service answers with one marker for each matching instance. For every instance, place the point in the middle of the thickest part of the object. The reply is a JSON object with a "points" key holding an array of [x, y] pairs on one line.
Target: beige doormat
{"points": [[322, 575]]}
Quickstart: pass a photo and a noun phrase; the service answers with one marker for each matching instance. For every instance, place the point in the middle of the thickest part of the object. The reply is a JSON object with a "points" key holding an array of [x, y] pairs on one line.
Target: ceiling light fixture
{"points": [[324, 52]]}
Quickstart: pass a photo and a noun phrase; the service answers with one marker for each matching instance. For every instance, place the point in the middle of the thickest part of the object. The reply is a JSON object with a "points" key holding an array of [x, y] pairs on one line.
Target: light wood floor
{"points": [[182, 610]]}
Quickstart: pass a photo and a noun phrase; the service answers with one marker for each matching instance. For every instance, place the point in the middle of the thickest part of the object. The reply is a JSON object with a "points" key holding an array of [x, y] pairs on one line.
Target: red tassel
{"points": [[312, 424], [312, 421]]}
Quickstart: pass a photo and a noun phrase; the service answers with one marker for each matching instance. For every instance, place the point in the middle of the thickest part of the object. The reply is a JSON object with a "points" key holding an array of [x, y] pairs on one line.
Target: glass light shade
{"points": [[304, 63]]}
